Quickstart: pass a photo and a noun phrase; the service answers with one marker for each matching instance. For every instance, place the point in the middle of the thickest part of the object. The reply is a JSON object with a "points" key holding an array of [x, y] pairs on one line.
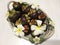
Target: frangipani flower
{"points": [[38, 29], [36, 40], [19, 30]]}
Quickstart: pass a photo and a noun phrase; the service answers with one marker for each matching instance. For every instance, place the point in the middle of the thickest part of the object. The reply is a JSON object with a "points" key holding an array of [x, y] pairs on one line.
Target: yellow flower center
{"points": [[19, 30], [38, 27], [36, 40]]}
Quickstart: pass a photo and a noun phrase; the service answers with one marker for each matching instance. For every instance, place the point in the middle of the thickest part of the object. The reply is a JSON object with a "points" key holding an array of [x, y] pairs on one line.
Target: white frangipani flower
{"points": [[36, 39], [19, 30], [38, 29]]}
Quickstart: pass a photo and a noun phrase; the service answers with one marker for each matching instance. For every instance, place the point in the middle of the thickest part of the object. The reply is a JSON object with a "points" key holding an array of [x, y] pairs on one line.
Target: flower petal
{"points": [[36, 32], [41, 32], [20, 26], [17, 34], [39, 22], [33, 27], [21, 34], [43, 27], [15, 29], [36, 40]]}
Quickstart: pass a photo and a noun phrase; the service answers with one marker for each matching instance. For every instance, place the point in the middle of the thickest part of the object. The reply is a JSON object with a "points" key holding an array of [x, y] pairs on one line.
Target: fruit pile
{"points": [[28, 22]]}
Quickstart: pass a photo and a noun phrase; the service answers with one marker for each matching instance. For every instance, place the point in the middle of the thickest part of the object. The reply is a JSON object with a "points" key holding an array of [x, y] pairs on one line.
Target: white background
{"points": [[51, 7]]}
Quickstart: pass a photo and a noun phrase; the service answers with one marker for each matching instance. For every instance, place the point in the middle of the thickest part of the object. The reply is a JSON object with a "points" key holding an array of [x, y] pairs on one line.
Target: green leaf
{"points": [[31, 39], [42, 39]]}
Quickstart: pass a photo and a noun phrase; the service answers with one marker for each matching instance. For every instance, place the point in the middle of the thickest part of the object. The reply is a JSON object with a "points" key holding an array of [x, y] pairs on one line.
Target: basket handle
{"points": [[9, 4]]}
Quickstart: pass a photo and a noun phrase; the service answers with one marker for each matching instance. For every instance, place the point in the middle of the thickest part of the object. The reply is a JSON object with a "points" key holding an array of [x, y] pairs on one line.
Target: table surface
{"points": [[52, 9]]}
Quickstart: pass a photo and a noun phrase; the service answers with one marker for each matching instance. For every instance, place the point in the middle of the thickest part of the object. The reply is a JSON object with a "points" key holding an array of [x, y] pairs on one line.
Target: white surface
{"points": [[51, 7]]}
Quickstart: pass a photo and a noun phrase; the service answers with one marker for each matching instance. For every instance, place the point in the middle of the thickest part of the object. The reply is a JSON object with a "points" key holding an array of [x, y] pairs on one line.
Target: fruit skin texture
{"points": [[15, 17], [17, 6]]}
